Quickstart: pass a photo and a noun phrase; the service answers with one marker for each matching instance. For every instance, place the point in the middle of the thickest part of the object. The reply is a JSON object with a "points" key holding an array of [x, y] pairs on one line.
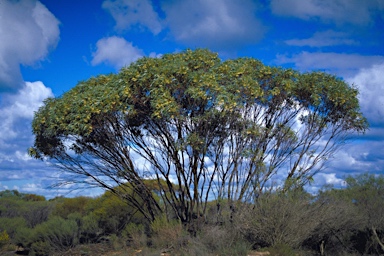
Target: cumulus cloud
{"points": [[20, 107], [17, 169], [371, 86], [218, 24], [337, 11], [213, 23], [329, 179], [128, 13], [337, 63], [323, 38], [28, 30], [115, 51], [365, 153], [16, 113]]}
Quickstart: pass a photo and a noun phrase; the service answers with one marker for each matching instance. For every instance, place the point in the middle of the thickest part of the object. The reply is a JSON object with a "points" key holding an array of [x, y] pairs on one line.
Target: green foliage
{"points": [[278, 218], [24, 237], [135, 235], [58, 233], [33, 197], [4, 239], [366, 192], [66, 206], [168, 233], [281, 250], [89, 228], [113, 221], [41, 248], [11, 225], [10, 193], [33, 208], [344, 221]]}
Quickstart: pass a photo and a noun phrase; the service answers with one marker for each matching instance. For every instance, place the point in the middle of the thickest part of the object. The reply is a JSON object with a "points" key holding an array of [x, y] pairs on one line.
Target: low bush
{"points": [[58, 233], [135, 235], [4, 239], [168, 234]]}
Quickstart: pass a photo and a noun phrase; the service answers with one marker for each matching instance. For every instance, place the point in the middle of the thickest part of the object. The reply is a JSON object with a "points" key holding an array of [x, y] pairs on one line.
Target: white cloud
{"points": [[27, 31], [337, 63], [371, 86], [218, 24], [128, 13], [329, 179], [16, 113], [213, 23], [115, 51], [17, 109], [338, 11], [155, 55], [323, 38], [365, 153], [17, 169]]}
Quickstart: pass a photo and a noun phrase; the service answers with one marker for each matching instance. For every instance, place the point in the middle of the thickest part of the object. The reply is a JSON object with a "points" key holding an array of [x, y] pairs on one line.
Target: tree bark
{"points": [[377, 238], [322, 248]]}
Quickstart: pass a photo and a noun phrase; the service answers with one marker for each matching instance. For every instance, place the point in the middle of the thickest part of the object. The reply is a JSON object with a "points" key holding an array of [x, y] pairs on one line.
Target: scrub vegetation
{"points": [[346, 221]]}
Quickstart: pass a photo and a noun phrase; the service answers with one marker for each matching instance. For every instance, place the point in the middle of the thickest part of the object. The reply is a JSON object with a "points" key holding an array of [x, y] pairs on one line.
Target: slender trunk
{"points": [[322, 248], [377, 238]]}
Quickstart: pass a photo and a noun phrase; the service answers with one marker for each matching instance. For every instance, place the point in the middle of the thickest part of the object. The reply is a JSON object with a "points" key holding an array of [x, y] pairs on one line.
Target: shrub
{"points": [[41, 248], [223, 240], [135, 235], [67, 206], [12, 225], [4, 239], [60, 234], [281, 250], [89, 229], [168, 234], [24, 237]]}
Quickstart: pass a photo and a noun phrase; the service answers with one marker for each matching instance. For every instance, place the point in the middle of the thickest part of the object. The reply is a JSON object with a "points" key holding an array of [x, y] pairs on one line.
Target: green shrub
{"points": [[12, 225], [4, 239], [25, 237], [281, 250], [167, 234], [41, 248], [60, 234], [67, 206], [89, 229], [223, 240], [134, 235]]}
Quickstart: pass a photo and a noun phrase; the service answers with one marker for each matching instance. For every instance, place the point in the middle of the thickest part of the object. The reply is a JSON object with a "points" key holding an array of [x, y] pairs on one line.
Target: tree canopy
{"points": [[208, 128]]}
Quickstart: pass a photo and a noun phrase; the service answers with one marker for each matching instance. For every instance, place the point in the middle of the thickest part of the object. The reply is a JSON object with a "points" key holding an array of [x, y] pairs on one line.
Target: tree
{"points": [[33, 208], [205, 126], [366, 191]]}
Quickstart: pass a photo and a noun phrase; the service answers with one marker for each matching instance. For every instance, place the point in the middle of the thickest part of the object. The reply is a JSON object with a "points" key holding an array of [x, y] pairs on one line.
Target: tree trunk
{"points": [[377, 238], [322, 248]]}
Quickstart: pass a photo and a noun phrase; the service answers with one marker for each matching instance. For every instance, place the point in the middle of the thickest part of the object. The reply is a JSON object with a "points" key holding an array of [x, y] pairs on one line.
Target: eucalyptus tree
{"points": [[207, 127]]}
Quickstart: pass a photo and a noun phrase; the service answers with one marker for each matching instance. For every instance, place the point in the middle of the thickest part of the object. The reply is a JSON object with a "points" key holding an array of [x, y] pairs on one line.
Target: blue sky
{"points": [[48, 46]]}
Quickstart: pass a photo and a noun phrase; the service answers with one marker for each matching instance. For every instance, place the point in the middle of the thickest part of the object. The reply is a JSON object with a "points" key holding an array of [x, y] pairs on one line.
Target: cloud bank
{"points": [[365, 155], [322, 39], [335, 11], [16, 113], [218, 24], [342, 64]]}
